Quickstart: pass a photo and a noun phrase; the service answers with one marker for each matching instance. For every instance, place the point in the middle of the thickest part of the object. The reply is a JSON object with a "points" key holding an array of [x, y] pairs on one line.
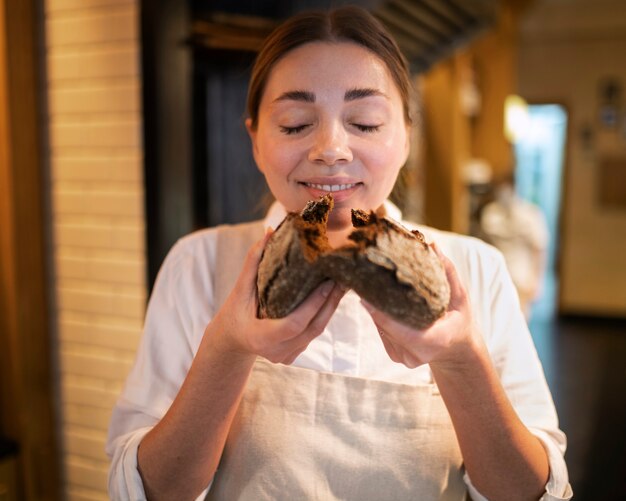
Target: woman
{"points": [[336, 401]]}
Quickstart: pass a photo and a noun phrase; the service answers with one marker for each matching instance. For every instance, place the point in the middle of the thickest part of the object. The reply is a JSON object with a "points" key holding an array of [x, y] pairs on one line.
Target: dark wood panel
{"points": [[234, 188], [26, 371], [167, 120], [612, 183]]}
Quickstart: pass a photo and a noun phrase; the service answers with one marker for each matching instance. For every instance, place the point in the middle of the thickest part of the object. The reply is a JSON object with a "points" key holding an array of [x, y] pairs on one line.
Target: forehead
{"points": [[326, 67]]}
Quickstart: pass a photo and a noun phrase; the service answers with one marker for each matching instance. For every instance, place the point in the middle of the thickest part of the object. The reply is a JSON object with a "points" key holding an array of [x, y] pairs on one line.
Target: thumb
{"points": [[457, 291], [248, 274]]}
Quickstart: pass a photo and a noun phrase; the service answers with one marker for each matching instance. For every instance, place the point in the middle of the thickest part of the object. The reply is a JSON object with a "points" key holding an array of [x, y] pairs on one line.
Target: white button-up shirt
{"points": [[183, 303]]}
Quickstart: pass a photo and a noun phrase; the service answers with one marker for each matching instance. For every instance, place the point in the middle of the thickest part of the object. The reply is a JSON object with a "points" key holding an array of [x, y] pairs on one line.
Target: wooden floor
{"points": [[585, 363]]}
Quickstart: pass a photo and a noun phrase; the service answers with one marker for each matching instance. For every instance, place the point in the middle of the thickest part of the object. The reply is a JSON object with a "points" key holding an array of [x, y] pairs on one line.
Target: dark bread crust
{"points": [[388, 266], [288, 271]]}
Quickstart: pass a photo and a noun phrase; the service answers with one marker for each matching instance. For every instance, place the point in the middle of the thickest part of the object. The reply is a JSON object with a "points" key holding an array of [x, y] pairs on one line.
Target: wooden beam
{"points": [[26, 402], [446, 147], [231, 32], [495, 59], [167, 129]]}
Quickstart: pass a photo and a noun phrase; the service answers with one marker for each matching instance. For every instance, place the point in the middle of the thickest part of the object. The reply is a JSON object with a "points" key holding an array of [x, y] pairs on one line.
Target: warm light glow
{"points": [[516, 118]]}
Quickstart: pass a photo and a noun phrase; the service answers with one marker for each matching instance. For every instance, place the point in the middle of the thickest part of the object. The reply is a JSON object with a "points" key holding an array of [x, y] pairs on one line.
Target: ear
{"points": [[252, 132], [407, 144]]}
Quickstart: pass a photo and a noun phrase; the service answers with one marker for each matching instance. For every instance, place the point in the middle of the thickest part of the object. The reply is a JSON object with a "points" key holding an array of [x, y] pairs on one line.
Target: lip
{"points": [[330, 180], [340, 188]]}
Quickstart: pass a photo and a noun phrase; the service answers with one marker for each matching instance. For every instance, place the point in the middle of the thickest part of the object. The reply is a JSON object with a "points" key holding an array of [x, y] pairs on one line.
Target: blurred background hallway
{"points": [[585, 363]]}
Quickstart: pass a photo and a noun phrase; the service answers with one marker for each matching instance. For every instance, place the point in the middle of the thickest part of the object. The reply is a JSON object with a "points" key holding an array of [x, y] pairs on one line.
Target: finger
{"points": [[299, 319], [253, 257], [385, 323], [397, 353], [288, 348], [291, 358], [320, 320], [247, 277], [390, 348], [457, 291]]}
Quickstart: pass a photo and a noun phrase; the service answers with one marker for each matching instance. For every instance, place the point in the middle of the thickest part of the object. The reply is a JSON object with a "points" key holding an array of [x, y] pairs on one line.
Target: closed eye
{"points": [[367, 128], [293, 130]]}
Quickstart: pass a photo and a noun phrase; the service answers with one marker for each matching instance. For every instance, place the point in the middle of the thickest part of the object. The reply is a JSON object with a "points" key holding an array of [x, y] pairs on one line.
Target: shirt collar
{"points": [[277, 213]]}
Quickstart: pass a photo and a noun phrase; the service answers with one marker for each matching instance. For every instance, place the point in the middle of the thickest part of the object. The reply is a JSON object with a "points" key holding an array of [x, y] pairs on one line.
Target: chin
{"points": [[340, 219]]}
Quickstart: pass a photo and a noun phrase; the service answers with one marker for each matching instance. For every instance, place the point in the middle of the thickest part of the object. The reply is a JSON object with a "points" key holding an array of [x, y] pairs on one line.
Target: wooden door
{"points": [[26, 403]]}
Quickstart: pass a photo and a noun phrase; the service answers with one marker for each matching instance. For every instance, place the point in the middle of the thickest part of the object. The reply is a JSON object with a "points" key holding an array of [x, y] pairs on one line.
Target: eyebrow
{"points": [[354, 94], [309, 97], [297, 95]]}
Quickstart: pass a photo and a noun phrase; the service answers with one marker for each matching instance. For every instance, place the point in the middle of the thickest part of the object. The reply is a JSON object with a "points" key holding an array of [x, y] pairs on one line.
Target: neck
{"points": [[337, 238]]}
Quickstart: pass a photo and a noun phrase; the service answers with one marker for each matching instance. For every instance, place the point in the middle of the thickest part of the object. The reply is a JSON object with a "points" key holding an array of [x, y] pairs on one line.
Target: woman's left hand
{"points": [[443, 343], [474, 397]]}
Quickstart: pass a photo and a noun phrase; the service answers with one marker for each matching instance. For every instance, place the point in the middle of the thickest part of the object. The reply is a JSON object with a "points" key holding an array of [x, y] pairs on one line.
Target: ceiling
{"points": [[426, 30], [429, 30], [574, 19]]}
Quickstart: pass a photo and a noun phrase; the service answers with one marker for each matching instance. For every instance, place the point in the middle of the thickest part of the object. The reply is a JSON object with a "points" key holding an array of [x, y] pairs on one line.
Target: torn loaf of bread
{"points": [[390, 267]]}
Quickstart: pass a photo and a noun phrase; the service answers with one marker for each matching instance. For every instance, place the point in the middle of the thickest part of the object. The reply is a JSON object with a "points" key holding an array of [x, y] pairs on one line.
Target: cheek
{"points": [[388, 158], [278, 159]]}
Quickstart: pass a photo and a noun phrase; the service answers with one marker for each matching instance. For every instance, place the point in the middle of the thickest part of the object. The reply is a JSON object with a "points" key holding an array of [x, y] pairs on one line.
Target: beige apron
{"points": [[308, 435]]}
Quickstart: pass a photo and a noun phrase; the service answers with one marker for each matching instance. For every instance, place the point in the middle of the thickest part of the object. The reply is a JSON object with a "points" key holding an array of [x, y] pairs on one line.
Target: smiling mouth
{"points": [[330, 188]]}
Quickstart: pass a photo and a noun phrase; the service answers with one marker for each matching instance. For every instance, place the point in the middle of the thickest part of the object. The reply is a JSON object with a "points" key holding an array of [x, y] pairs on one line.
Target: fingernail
{"points": [[326, 288]]}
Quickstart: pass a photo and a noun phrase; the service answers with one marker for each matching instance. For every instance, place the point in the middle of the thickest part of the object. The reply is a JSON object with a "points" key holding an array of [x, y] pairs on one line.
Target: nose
{"points": [[330, 145]]}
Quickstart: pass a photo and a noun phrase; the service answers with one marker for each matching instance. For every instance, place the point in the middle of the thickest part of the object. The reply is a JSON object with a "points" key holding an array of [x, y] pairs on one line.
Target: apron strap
{"points": [[233, 243]]}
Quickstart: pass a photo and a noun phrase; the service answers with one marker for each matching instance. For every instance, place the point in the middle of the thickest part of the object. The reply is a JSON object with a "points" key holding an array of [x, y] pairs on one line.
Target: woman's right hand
{"points": [[179, 456], [238, 329]]}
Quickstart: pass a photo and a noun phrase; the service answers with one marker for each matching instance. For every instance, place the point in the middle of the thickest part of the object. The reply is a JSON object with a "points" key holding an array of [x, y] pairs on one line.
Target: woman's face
{"points": [[331, 120]]}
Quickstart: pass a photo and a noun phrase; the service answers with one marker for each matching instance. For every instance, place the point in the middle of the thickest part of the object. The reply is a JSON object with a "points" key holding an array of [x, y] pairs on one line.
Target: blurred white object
{"points": [[516, 118], [477, 171], [519, 230]]}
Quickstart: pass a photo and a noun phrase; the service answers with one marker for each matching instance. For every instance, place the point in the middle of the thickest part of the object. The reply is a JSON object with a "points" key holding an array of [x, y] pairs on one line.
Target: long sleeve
{"points": [[182, 304], [180, 307], [501, 319]]}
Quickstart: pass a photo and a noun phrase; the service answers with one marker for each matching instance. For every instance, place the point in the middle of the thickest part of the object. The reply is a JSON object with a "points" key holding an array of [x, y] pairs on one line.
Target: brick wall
{"points": [[93, 95]]}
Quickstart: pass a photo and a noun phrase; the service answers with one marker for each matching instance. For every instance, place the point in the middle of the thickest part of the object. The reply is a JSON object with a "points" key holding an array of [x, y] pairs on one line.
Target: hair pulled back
{"points": [[343, 24]]}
